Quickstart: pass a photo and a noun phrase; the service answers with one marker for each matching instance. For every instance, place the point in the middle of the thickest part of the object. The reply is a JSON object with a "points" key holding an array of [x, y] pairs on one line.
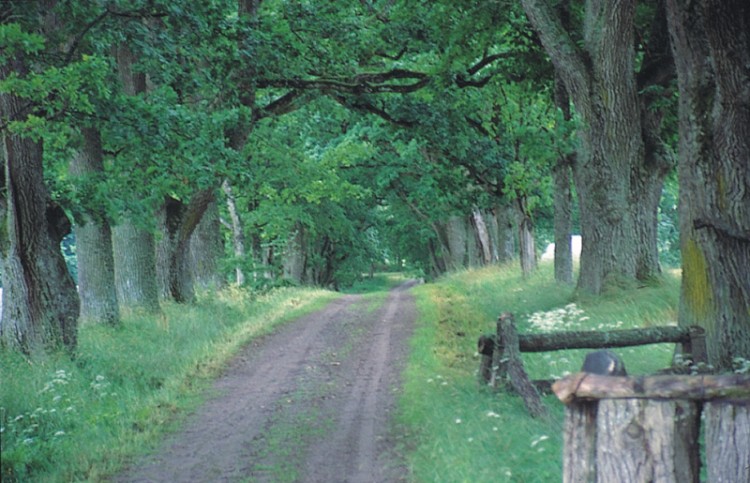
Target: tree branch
{"points": [[567, 58], [359, 84], [283, 105], [362, 105], [82, 34]]}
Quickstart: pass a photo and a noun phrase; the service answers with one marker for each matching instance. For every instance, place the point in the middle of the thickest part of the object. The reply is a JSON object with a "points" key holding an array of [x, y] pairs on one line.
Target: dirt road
{"points": [[308, 403]]}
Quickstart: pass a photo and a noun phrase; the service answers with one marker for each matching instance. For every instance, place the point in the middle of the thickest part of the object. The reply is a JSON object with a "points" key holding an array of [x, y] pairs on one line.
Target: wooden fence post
{"points": [[646, 429], [512, 364], [728, 442], [696, 347], [579, 452]]}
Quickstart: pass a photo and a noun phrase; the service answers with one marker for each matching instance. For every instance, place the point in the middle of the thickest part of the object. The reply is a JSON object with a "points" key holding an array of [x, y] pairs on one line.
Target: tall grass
{"points": [[64, 419], [456, 430]]}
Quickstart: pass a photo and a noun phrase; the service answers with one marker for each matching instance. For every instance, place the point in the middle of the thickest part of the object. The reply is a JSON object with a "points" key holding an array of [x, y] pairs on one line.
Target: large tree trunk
{"points": [[133, 242], [526, 242], [41, 306], [712, 54], [135, 267], [563, 198], [455, 230], [483, 237], [206, 249], [601, 82], [178, 221], [295, 260], [96, 265], [238, 233], [505, 233]]}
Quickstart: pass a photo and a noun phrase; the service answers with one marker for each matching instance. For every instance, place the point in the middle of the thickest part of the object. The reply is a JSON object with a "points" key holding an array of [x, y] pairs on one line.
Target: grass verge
{"points": [[80, 420], [454, 429]]}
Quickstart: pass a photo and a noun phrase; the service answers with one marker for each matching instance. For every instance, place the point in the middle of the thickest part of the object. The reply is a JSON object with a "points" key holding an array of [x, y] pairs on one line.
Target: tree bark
{"points": [[712, 53], [41, 305], [135, 267], [601, 82], [206, 249], [455, 230], [483, 237], [505, 233], [526, 242], [563, 198], [133, 242], [96, 265], [295, 256], [178, 222], [238, 234]]}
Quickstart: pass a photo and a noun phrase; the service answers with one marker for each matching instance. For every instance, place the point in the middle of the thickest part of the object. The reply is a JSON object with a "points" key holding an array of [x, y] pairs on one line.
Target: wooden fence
{"points": [[646, 429], [634, 429]]}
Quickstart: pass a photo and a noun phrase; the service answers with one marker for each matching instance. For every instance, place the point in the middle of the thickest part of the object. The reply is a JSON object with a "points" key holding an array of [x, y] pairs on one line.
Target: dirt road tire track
{"points": [[311, 402]]}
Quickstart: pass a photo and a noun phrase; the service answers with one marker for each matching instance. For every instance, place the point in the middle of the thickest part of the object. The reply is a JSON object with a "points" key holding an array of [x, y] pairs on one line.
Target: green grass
{"points": [[454, 430], [79, 420]]}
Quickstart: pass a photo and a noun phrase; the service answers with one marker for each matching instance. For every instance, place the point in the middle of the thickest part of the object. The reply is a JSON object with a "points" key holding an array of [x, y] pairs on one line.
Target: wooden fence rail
{"points": [[500, 352], [556, 341]]}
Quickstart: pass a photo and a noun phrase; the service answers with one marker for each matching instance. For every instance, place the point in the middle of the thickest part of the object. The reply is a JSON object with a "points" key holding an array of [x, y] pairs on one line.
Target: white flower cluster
{"points": [[100, 385], [43, 423], [566, 318]]}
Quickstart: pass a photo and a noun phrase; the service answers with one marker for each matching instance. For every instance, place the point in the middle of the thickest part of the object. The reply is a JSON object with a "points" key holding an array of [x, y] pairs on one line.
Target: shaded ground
{"points": [[309, 403]]}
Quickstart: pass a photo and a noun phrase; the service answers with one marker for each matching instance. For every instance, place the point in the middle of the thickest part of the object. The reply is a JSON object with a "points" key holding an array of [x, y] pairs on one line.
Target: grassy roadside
{"points": [[459, 431], [79, 420]]}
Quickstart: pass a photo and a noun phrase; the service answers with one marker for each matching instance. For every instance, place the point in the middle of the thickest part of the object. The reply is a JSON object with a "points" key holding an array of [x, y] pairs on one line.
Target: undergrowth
{"points": [[455, 429], [81, 419]]}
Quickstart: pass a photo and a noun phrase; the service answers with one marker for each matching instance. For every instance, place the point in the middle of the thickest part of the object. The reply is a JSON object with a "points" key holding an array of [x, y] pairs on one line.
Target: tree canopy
{"points": [[336, 137]]}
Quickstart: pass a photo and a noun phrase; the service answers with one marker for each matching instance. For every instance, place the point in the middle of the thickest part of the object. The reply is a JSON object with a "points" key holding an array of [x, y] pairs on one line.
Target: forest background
{"points": [[182, 146]]}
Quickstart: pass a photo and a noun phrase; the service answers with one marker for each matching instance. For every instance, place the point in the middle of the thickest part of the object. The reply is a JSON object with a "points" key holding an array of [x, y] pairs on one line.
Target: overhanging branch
{"points": [[373, 83], [363, 105]]}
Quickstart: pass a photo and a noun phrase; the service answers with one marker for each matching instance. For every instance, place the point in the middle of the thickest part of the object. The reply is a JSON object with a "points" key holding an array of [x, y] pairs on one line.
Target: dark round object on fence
{"points": [[605, 363]]}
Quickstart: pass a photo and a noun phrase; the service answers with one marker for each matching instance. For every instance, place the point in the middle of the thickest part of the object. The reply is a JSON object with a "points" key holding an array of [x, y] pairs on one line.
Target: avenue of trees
{"points": [[180, 146]]}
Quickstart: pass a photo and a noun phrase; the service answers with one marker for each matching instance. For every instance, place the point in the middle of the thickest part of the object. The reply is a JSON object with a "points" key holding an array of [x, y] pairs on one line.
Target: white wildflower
{"points": [[539, 440]]}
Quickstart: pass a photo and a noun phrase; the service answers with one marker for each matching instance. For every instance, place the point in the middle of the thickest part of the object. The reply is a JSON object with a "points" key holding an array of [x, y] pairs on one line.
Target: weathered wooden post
{"points": [[510, 363], [485, 348], [696, 345], [728, 441], [645, 429]]}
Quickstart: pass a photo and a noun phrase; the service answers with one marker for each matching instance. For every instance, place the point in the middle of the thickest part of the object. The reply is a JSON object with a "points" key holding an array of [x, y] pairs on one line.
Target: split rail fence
{"points": [[634, 429]]}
